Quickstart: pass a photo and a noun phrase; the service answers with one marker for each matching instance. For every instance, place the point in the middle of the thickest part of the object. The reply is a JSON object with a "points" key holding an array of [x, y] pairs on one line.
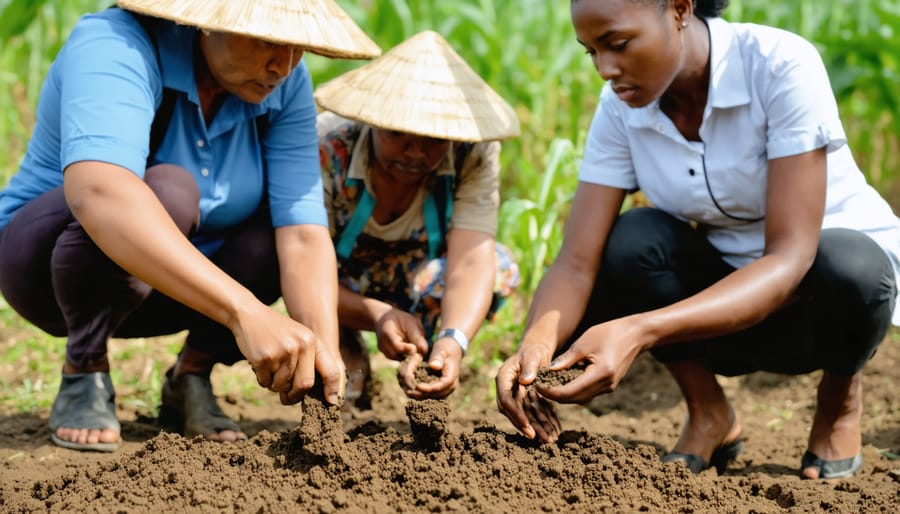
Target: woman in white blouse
{"points": [[765, 249]]}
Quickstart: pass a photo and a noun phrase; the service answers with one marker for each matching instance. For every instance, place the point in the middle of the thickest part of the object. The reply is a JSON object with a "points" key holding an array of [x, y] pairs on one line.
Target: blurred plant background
{"points": [[526, 50]]}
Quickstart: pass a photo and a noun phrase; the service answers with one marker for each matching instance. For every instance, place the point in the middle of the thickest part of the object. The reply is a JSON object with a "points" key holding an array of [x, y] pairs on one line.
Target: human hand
{"points": [[285, 355], [608, 350], [446, 357], [518, 400], [400, 334]]}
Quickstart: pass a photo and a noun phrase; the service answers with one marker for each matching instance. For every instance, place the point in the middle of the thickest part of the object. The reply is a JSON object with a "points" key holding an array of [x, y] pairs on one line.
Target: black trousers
{"points": [[53, 275], [835, 321]]}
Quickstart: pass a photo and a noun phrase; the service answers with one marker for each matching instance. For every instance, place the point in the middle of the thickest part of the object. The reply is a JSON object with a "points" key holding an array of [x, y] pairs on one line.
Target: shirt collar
{"points": [[176, 58], [359, 160], [727, 82]]}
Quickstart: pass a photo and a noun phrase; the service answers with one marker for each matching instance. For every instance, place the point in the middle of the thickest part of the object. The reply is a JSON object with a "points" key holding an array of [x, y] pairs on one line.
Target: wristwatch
{"points": [[457, 335]]}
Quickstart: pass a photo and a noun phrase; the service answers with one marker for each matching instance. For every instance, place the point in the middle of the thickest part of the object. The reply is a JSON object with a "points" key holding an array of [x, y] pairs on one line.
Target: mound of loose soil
{"points": [[380, 470], [378, 464]]}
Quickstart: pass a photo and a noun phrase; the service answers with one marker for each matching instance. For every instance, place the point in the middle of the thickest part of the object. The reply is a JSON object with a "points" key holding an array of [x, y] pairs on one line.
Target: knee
{"points": [[640, 241], [851, 266], [178, 193]]}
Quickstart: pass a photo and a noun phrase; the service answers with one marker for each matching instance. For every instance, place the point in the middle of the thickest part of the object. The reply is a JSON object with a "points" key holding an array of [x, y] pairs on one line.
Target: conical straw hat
{"points": [[318, 26], [421, 87]]}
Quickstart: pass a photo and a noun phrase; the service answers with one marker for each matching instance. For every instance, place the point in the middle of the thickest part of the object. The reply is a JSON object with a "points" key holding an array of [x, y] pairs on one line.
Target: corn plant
{"points": [[526, 50]]}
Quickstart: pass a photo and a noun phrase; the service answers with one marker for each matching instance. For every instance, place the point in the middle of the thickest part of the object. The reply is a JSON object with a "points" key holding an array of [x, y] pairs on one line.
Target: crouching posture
{"points": [[411, 164], [172, 175], [765, 248]]}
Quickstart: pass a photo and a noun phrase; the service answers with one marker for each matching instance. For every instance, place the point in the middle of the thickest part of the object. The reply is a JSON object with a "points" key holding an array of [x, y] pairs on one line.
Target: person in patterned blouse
{"points": [[411, 178]]}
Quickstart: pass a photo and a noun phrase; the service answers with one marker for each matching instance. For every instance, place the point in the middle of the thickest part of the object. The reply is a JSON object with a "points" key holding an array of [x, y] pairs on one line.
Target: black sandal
{"points": [[719, 459], [189, 405], [831, 468], [85, 400]]}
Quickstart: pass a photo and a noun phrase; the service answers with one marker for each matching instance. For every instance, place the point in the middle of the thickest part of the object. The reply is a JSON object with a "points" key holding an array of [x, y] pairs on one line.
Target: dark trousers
{"points": [[53, 275], [835, 320]]}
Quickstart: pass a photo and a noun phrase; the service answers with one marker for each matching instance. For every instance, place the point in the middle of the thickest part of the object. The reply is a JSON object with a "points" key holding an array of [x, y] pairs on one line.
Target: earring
{"points": [[684, 24]]}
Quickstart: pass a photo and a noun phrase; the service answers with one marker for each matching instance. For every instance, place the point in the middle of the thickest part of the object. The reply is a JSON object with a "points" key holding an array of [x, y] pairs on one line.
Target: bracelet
{"points": [[457, 335]]}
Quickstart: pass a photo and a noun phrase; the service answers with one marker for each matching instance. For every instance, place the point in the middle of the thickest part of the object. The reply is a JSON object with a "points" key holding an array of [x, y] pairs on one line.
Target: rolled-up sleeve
{"points": [[802, 113]]}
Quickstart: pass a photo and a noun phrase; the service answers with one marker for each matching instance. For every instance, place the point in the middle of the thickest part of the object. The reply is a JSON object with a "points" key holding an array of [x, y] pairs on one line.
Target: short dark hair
{"points": [[710, 8], [702, 8]]}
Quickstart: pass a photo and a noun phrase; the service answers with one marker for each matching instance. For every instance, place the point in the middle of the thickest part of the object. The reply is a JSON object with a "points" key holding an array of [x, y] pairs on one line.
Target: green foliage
{"points": [[526, 50]]}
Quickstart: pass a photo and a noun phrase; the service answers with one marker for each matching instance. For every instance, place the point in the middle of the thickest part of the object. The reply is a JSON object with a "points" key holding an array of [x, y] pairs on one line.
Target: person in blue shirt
{"points": [[172, 183]]}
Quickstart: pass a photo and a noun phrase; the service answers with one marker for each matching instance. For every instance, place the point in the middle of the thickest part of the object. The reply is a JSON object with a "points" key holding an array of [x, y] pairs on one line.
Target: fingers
{"points": [[509, 397], [415, 334], [334, 377], [406, 373], [567, 359], [401, 334], [448, 362], [529, 370], [581, 389], [263, 373], [304, 376], [283, 377], [542, 416]]}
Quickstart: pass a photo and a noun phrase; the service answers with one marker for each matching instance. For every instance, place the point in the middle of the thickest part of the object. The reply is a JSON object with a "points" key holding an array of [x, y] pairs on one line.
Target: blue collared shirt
{"points": [[98, 102]]}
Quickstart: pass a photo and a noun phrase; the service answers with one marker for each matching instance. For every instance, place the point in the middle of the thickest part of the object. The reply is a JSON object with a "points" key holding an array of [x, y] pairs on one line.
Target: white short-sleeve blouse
{"points": [[769, 97]]}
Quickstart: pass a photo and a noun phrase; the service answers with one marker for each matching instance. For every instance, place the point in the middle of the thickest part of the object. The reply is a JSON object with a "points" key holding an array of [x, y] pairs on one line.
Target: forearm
{"points": [[738, 301], [469, 285], [309, 279], [126, 220], [359, 312], [558, 304]]}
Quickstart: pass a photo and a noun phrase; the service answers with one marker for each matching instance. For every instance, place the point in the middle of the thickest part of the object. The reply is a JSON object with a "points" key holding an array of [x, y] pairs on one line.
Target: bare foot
{"points": [[836, 432]]}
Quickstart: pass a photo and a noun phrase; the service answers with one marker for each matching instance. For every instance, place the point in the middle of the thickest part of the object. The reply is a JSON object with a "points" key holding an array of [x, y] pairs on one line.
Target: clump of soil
{"points": [[547, 378], [428, 421], [321, 432], [427, 417], [425, 374]]}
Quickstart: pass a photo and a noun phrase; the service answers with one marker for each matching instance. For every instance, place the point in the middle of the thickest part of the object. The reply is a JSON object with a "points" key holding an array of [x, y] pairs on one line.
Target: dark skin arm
{"points": [[309, 286], [557, 305], [466, 300], [147, 244], [795, 204], [399, 333]]}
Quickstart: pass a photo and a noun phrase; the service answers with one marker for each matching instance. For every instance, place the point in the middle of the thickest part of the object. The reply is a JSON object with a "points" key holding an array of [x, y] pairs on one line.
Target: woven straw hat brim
{"points": [[421, 86], [317, 26]]}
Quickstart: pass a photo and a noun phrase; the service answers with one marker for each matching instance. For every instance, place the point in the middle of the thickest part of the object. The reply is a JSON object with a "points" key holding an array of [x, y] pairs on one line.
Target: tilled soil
{"points": [[469, 459]]}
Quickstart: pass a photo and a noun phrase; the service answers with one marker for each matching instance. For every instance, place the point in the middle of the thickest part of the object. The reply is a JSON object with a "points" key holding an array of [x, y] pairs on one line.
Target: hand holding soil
{"points": [[427, 417], [547, 378]]}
